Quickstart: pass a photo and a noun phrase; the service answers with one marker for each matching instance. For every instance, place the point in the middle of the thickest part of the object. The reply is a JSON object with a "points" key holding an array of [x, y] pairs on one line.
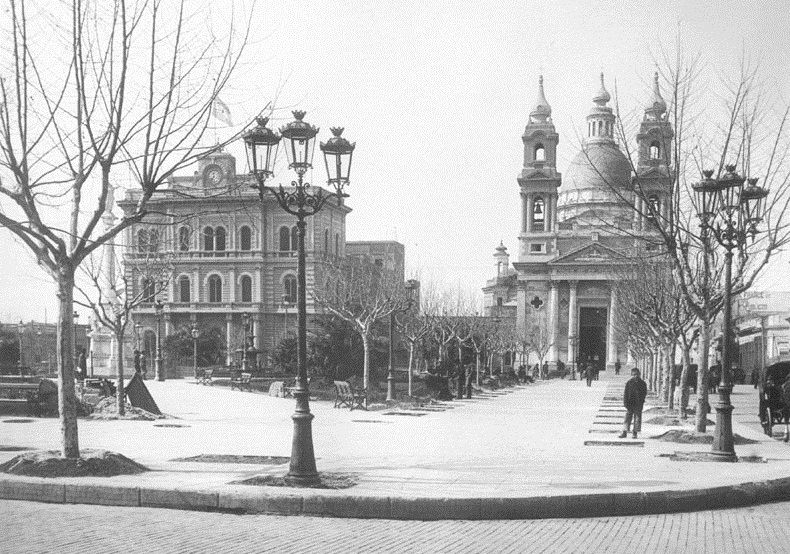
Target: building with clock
{"points": [[232, 259], [574, 226]]}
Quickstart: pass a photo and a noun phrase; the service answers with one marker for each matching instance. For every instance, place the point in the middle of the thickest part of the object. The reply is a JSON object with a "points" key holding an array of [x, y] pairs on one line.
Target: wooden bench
{"points": [[37, 395], [241, 381], [345, 395], [206, 377]]}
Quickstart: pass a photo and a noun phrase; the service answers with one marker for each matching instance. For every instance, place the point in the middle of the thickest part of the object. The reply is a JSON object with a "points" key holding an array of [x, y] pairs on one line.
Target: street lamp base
{"points": [[722, 456], [302, 470]]}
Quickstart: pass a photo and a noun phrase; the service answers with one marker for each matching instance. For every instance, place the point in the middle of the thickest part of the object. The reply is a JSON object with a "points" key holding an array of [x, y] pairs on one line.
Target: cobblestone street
{"points": [[30, 528]]}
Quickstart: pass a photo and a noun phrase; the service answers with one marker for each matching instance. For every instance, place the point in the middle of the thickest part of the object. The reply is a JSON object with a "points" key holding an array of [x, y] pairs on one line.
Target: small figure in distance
{"points": [[634, 400], [617, 367]]}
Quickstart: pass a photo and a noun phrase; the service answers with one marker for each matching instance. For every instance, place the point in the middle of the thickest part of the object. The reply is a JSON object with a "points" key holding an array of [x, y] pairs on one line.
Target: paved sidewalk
{"points": [[517, 454]]}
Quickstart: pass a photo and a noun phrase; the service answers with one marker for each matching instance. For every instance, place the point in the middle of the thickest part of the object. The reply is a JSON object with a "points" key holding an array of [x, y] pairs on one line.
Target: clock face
{"points": [[213, 176]]}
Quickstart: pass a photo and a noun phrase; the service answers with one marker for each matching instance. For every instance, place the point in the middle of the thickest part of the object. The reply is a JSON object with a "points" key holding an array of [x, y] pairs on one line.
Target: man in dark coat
{"points": [[634, 401]]}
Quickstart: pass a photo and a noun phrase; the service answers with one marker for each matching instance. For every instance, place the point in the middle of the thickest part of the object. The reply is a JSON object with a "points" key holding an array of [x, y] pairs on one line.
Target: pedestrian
{"points": [[545, 370], [617, 367], [137, 362], [755, 378], [634, 400], [536, 371], [587, 368]]}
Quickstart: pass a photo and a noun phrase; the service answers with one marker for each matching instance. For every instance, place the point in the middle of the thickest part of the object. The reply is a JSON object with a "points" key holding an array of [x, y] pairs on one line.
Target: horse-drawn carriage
{"points": [[774, 389]]}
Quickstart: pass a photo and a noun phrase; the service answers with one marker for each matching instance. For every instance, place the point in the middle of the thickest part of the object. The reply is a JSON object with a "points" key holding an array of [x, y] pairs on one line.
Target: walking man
{"points": [[634, 401]]}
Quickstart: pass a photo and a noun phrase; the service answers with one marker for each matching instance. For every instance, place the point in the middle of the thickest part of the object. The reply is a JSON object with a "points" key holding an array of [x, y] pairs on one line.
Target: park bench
{"points": [[205, 378], [345, 395], [241, 381], [38, 396]]}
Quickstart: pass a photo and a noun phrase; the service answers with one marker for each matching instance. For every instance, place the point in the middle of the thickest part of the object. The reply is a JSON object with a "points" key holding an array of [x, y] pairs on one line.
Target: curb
{"points": [[403, 508]]}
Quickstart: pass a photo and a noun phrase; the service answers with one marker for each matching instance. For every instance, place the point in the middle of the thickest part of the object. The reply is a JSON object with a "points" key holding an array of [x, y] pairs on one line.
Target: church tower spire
{"points": [[539, 180], [655, 160], [600, 121]]}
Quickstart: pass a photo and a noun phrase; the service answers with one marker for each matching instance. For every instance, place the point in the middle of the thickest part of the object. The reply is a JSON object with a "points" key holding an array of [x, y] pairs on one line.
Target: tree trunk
{"points": [[366, 362], [411, 364], [67, 399], [666, 389], [477, 371], [672, 376], [702, 377], [120, 391], [684, 380]]}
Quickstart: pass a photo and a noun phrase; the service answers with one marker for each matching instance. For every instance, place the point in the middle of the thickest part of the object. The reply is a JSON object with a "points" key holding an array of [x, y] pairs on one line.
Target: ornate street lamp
{"points": [[399, 305], [195, 335], [159, 370], [731, 213], [300, 201]]}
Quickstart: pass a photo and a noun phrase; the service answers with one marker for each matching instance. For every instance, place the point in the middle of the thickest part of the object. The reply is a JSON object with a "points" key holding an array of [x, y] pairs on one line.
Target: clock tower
{"points": [[217, 169]]}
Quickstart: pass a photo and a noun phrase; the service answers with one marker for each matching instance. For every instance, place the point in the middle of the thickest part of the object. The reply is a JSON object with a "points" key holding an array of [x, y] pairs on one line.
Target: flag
{"points": [[221, 112]]}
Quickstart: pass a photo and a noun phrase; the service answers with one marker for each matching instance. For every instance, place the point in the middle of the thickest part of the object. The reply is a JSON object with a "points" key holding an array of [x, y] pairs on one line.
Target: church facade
{"points": [[576, 227]]}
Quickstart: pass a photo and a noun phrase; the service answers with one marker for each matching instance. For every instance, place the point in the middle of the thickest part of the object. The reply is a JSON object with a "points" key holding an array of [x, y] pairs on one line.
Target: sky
{"points": [[436, 96]]}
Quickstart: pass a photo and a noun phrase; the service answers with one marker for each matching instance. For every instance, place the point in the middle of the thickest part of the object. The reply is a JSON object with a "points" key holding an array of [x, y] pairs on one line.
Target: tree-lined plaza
{"points": [[118, 176]]}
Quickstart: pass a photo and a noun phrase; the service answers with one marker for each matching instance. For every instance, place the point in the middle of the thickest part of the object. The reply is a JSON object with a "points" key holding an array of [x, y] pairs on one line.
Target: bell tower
{"points": [[538, 182], [654, 163]]}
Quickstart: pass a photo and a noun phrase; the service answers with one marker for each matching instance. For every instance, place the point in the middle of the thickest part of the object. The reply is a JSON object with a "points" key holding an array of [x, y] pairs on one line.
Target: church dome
{"points": [[589, 185]]}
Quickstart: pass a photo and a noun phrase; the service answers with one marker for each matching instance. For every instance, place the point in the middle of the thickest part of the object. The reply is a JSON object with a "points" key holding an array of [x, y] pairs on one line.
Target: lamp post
{"points": [[137, 329], [398, 305], [195, 335], [573, 340], [20, 331], [159, 370], [730, 213], [301, 201], [245, 320]]}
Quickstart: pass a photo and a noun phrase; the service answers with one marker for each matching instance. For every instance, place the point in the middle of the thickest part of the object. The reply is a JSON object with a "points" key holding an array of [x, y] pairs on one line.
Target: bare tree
{"points": [[746, 130], [93, 93], [361, 293], [111, 299]]}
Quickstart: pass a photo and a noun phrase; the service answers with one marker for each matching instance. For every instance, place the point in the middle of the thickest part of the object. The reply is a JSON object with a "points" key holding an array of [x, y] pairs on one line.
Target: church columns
{"points": [[572, 324], [554, 316], [611, 340]]}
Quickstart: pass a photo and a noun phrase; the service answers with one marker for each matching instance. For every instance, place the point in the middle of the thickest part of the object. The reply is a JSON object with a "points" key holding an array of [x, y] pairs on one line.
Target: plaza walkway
{"points": [[543, 450]]}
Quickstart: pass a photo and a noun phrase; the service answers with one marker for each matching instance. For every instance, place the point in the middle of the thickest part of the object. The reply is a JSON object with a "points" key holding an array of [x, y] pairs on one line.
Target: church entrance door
{"points": [[592, 337]]}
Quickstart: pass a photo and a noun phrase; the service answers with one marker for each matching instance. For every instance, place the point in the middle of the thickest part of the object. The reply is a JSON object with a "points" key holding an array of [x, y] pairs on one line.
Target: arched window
{"points": [[285, 239], [184, 289], [219, 238], [153, 240], [149, 290], [655, 205], [538, 214], [289, 286], [142, 240], [655, 150], [246, 288], [294, 239], [184, 239], [326, 241], [540, 153], [600, 128], [208, 239], [215, 288], [245, 238]]}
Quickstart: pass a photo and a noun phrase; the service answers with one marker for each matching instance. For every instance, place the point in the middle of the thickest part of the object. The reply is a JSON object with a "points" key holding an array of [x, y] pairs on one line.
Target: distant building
{"points": [[230, 255], [762, 329], [388, 254], [39, 342], [574, 227]]}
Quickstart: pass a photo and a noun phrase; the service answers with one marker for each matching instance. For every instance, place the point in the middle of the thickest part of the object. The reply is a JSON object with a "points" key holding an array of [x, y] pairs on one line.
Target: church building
{"points": [[576, 227]]}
